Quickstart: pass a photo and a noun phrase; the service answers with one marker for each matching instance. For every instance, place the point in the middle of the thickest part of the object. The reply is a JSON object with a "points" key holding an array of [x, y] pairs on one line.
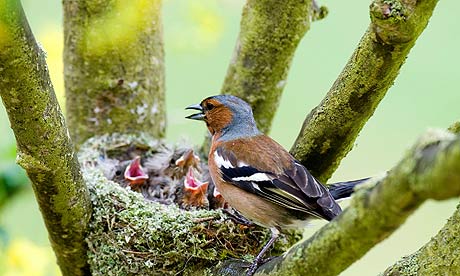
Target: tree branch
{"points": [[114, 67], [269, 35], [329, 131], [44, 147], [440, 254], [455, 127], [431, 170]]}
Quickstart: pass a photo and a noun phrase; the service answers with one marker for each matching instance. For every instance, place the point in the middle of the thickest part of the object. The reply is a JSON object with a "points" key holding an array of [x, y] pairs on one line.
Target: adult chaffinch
{"points": [[257, 176]]}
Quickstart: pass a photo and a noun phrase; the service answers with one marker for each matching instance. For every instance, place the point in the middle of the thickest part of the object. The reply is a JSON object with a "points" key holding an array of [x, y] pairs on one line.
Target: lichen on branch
{"points": [[114, 67], [329, 131], [431, 170], [44, 147], [440, 256]]}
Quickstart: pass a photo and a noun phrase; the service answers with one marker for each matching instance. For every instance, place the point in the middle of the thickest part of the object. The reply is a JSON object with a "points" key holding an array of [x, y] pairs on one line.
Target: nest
{"points": [[153, 227]]}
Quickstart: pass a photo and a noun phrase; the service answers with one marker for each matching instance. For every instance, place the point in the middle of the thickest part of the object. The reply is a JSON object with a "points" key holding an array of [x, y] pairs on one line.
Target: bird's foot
{"points": [[266, 260], [252, 269], [256, 264]]}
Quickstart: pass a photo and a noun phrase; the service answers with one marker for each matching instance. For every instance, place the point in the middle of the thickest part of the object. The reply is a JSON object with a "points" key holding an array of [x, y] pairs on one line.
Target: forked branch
{"points": [[431, 170], [329, 131], [269, 34]]}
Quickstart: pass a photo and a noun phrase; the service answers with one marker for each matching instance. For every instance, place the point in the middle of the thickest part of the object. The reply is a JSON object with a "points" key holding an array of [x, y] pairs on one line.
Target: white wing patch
{"points": [[255, 177], [242, 164], [221, 162], [256, 186]]}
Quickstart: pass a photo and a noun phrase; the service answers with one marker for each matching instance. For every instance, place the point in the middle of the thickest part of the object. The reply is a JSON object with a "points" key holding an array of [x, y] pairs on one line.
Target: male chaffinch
{"points": [[257, 176]]}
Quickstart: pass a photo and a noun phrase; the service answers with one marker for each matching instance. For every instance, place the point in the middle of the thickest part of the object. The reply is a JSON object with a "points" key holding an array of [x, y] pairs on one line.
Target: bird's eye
{"points": [[209, 106]]}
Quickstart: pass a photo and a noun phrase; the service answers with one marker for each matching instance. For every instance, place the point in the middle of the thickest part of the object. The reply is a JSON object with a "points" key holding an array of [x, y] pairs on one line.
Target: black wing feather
{"points": [[295, 189]]}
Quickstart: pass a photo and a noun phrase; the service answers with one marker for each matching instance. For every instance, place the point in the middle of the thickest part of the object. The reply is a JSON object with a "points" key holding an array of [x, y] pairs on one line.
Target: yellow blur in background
{"points": [[199, 41], [23, 257], [51, 38]]}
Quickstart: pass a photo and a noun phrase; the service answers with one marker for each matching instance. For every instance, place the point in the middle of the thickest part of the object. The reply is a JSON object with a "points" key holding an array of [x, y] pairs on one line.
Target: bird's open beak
{"points": [[197, 116]]}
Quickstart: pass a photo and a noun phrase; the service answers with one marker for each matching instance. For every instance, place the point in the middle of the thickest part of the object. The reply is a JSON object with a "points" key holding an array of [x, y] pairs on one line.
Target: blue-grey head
{"points": [[227, 116]]}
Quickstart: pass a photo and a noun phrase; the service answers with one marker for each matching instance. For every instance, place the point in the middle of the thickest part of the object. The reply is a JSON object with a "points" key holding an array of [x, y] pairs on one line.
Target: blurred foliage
{"points": [[23, 258], [51, 40], [3, 34], [12, 180], [199, 29], [121, 25]]}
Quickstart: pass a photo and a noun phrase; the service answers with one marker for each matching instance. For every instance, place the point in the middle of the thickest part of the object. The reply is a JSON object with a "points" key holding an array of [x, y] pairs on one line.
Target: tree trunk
{"points": [[114, 68], [44, 147], [269, 34]]}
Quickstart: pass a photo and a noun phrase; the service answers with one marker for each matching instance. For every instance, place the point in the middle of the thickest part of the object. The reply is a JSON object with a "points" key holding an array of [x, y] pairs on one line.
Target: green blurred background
{"points": [[199, 41]]}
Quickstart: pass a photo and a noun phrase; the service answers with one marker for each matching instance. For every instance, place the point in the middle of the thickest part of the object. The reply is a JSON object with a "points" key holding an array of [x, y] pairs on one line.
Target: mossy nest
{"points": [[131, 234]]}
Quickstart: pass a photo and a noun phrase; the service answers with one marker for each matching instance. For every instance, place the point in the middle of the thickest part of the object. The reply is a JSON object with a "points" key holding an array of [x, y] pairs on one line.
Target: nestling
{"points": [[257, 176]]}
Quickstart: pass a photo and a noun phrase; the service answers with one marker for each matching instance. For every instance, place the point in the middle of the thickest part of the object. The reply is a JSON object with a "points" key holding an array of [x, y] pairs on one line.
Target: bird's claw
{"points": [[255, 264], [252, 269]]}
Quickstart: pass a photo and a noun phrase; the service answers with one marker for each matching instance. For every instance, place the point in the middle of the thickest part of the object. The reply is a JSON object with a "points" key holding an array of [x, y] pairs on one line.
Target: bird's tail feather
{"points": [[342, 190]]}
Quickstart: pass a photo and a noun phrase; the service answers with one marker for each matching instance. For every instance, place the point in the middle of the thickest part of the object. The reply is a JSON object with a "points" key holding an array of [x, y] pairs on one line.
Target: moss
{"points": [[455, 128], [269, 35], [319, 12], [114, 68], [407, 266], [438, 257], [397, 21], [368, 219], [44, 147], [329, 131], [129, 235]]}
